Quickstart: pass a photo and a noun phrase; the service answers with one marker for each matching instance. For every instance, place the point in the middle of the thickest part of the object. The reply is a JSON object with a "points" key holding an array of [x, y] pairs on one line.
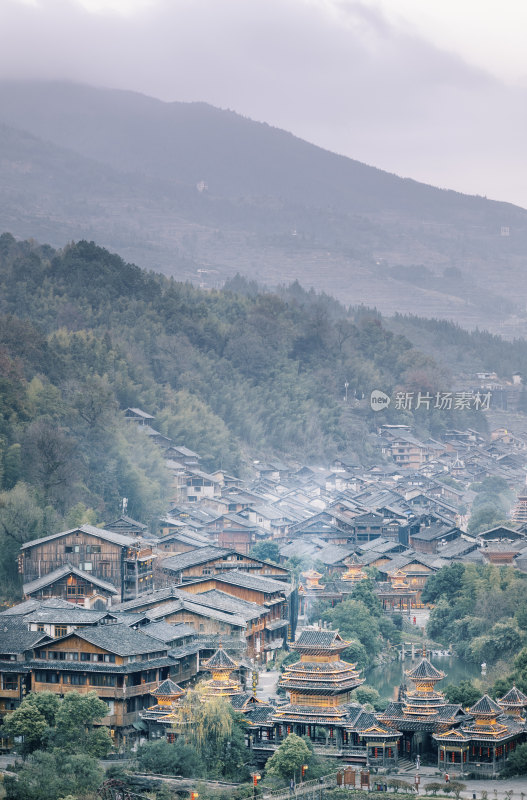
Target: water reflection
{"points": [[387, 678]]}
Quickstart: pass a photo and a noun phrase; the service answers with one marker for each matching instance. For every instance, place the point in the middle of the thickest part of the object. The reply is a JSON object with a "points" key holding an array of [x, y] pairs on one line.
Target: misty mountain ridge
{"points": [[182, 187]]}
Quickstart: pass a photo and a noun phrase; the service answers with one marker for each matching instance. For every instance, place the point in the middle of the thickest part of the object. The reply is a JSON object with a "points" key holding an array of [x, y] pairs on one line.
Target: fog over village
{"points": [[263, 400]]}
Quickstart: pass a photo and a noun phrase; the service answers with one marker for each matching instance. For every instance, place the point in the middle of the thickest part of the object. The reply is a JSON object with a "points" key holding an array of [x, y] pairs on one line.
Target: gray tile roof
{"points": [[166, 632], [485, 707], [323, 639], [66, 616], [61, 572], [220, 660], [100, 533], [15, 638], [513, 698], [262, 583], [172, 607], [193, 558], [120, 639], [425, 670], [227, 602], [168, 688], [21, 609], [149, 598]]}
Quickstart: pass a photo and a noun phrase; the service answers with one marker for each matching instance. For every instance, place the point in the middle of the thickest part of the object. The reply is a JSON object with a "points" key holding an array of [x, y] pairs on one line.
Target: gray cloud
{"points": [[349, 81]]}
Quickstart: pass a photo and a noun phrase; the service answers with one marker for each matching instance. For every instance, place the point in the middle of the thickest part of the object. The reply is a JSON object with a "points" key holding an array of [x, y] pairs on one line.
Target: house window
{"points": [[9, 683], [75, 679], [86, 566], [40, 627], [60, 630]]}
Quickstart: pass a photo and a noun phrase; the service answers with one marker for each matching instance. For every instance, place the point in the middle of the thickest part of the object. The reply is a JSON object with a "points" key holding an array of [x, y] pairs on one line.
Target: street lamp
{"points": [[256, 777]]}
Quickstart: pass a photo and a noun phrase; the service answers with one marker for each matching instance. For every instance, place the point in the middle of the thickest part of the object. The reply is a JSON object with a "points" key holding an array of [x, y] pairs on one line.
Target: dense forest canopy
{"points": [[235, 374]]}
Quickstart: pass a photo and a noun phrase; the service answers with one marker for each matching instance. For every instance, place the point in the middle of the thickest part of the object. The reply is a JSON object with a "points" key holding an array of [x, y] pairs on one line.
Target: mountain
{"points": [[196, 191]]}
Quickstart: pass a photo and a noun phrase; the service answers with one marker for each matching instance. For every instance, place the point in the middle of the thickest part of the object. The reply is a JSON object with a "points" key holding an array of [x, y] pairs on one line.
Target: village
{"points": [[140, 617]]}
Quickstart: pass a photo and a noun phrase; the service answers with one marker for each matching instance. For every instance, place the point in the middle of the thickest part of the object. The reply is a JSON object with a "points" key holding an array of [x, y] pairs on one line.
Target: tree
{"points": [[366, 694], [447, 582], [216, 732], [28, 723], [465, 693], [266, 551], [166, 758], [517, 762], [289, 758], [52, 775], [46, 702], [74, 722]]}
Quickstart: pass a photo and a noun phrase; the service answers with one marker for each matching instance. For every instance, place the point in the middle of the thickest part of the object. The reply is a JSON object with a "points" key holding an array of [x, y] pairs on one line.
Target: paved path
{"points": [[267, 684], [429, 775]]}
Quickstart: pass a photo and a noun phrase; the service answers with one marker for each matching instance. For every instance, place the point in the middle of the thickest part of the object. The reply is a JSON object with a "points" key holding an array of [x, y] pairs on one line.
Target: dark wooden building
{"points": [[123, 561]]}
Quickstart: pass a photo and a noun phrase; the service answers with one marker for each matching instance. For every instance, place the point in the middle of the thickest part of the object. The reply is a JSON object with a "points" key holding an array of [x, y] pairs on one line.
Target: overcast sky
{"points": [[430, 89]]}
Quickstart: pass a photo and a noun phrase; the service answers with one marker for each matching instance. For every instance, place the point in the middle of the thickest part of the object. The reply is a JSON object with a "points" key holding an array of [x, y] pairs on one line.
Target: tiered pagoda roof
{"points": [[488, 724], [423, 708], [319, 685], [424, 700], [514, 702], [167, 695], [221, 684], [311, 580], [354, 571]]}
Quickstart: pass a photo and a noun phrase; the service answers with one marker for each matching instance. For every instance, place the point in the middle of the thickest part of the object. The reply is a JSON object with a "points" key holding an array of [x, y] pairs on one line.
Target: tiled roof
{"points": [[91, 530], [120, 639], [15, 638], [323, 639], [261, 583], [21, 609], [194, 557], [149, 598], [166, 632], [168, 688], [513, 698], [227, 602], [61, 572], [485, 707], [220, 660], [201, 609], [425, 670], [67, 616]]}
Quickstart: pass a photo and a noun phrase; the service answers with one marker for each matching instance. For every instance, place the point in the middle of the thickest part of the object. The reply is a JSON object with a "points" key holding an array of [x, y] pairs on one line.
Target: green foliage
{"points": [[517, 762], [366, 694], [166, 758], [465, 693], [47, 704], [26, 722], [354, 620], [447, 583], [216, 733], [52, 775], [288, 759], [44, 720], [477, 610], [266, 551], [74, 721]]}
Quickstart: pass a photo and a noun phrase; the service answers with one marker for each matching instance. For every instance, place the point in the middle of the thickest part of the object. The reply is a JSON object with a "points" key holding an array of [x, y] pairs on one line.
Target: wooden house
{"points": [[122, 561], [73, 584], [122, 665], [215, 561]]}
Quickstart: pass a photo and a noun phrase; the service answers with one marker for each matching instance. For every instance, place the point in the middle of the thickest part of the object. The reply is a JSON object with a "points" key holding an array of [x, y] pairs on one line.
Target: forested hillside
{"points": [[236, 374], [200, 193]]}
